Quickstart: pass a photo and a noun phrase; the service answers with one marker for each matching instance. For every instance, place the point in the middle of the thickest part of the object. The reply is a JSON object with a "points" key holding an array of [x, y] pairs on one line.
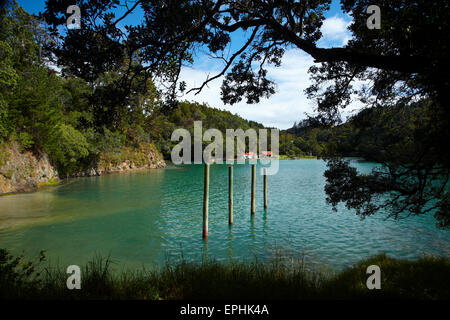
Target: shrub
{"points": [[66, 147]]}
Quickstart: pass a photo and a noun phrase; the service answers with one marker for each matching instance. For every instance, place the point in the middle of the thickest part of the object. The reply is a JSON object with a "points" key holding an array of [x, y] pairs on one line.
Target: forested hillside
{"points": [[93, 121], [85, 127], [379, 134], [78, 124], [162, 124], [81, 123]]}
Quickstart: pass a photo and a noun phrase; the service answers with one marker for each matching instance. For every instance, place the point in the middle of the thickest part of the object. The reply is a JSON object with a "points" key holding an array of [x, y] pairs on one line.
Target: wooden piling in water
{"points": [[253, 188], [205, 201], [265, 188], [230, 194]]}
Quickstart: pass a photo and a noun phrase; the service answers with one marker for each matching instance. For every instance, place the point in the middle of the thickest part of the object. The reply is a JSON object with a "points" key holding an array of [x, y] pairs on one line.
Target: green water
{"points": [[147, 217]]}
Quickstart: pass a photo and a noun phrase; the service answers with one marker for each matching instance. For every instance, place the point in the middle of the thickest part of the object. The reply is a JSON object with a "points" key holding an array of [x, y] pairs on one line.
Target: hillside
{"points": [[162, 124], [54, 126]]}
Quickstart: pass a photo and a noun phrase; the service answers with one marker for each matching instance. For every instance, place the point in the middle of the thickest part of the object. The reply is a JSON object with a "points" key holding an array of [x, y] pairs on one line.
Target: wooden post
{"points": [[265, 188], [205, 201], [253, 187], [230, 194]]}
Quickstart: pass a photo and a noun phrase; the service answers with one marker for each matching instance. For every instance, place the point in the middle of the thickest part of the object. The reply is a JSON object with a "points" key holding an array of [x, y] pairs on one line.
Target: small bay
{"points": [[150, 217]]}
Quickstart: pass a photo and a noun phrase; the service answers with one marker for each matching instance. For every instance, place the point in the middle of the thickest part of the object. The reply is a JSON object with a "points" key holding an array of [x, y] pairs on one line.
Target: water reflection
{"points": [[145, 217]]}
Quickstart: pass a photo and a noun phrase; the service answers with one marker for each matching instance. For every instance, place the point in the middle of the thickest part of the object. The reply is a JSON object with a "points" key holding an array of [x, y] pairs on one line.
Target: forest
{"points": [[87, 92], [109, 95], [384, 129], [74, 121]]}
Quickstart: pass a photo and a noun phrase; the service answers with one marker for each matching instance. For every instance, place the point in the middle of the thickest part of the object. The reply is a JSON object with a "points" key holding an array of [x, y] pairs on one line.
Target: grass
{"points": [[426, 278], [7, 194], [51, 182]]}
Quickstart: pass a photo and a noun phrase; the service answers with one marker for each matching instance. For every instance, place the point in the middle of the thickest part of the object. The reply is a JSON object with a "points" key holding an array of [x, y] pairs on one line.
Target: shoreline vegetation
{"points": [[425, 278], [52, 182], [71, 127], [23, 171], [59, 181], [168, 165]]}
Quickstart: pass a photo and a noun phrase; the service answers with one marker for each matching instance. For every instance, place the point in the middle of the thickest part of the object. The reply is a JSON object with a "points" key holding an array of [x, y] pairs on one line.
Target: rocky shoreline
{"points": [[24, 171], [125, 166]]}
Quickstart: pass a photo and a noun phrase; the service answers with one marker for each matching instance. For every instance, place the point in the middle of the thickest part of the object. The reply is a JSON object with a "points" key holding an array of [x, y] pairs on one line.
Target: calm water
{"points": [[149, 217]]}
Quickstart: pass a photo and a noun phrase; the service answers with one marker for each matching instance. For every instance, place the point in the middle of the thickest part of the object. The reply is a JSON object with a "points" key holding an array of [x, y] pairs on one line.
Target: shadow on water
{"points": [[143, 217]]}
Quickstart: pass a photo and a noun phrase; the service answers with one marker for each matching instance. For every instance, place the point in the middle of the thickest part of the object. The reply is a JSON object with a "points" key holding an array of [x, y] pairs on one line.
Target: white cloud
{"points": [[289, 103], [280, 110], [335, 32]]}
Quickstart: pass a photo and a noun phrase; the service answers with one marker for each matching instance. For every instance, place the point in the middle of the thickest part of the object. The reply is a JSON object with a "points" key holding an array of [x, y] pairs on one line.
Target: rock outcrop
{"points": [[22, 171], [146, 156]]}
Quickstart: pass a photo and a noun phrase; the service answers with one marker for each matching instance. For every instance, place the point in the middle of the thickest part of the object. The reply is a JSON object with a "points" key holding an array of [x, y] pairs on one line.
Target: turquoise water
{"points": [[148, 217]]}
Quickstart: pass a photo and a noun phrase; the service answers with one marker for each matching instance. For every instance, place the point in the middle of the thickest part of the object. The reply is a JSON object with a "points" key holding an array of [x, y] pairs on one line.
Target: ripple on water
{"points": [[150, 216]]}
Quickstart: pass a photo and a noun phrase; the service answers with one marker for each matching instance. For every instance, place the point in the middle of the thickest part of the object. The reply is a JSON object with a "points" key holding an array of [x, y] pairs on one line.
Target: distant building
{"points": [[266, 154], [250, 155]]}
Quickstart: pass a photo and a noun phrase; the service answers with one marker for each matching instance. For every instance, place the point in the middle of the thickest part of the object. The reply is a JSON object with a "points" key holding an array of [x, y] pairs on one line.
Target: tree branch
{"points": [[235, 55]]}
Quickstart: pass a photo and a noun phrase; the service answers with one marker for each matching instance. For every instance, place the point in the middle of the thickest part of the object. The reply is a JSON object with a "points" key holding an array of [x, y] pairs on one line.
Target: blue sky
{"points": [[289, 104]]}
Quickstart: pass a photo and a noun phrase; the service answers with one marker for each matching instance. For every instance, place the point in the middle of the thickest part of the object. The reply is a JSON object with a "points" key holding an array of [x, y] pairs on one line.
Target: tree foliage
{"points": [[402, 65], [412, 177], [67, 117], [75, 120], [183, 116]]}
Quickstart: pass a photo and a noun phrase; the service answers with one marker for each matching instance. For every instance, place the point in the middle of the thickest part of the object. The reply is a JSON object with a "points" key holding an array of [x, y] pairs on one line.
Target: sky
{"points": [[289, 103]]}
